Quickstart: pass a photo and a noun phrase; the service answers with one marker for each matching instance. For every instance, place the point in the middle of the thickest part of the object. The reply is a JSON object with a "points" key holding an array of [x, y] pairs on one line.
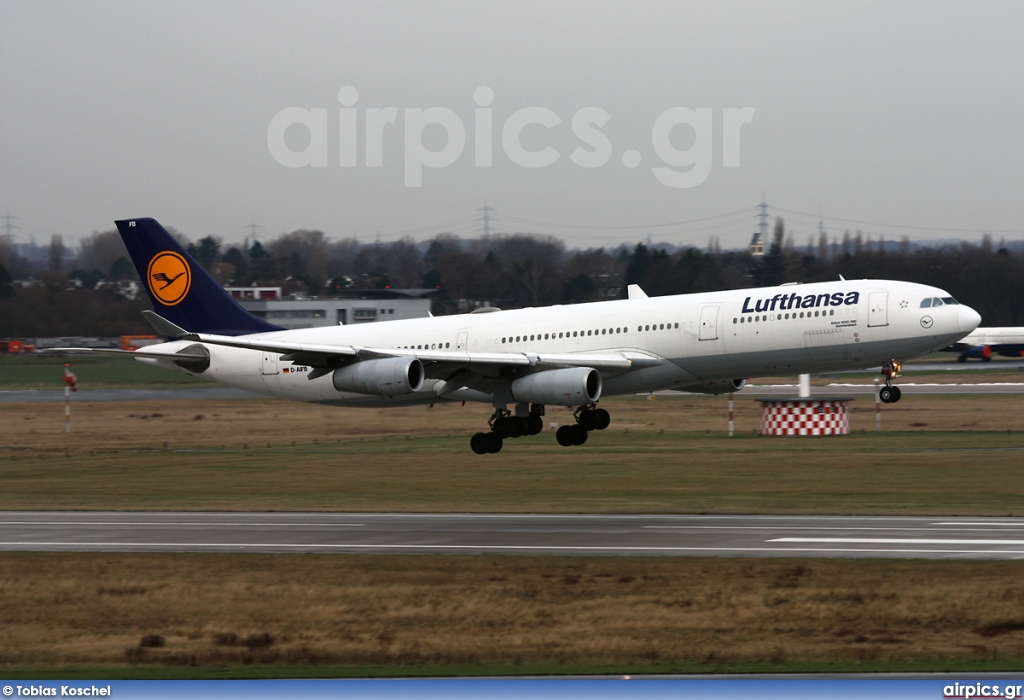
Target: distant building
{"points": [[756, 246], [358, 306]]}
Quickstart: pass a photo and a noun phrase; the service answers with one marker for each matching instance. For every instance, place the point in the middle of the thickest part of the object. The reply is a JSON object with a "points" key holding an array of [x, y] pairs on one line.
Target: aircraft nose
{"points": [[968, 318]]}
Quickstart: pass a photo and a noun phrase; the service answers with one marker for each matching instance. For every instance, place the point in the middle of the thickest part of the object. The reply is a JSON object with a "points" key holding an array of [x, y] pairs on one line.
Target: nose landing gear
{"points": [[890, 393]]}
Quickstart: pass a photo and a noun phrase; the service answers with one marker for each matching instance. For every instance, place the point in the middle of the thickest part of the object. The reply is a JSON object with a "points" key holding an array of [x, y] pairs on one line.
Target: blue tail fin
{"points": [[179, 288]]}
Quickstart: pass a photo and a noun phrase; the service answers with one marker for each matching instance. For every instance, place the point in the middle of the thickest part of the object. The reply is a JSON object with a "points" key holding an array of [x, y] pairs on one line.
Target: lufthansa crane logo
{"points": [[169, 277]]}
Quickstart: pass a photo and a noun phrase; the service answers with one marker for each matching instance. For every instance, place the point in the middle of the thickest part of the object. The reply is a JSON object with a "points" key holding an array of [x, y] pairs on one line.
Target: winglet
{"points": [[633, 291]]}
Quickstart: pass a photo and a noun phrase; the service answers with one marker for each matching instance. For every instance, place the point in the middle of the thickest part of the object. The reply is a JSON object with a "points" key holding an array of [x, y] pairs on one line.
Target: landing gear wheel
{"points": [[579, 434], [887, 394], [588, 420], [503, 426], [896, 394], [519, 427], [479, 443], [534, 425], [566, 435], [604, 419], [494, 442]]}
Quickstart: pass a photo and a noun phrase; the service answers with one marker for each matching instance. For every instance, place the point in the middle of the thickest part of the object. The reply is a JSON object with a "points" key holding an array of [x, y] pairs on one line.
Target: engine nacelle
{"points": [[559, 387], [981, 352], [715, 386], [387, 377]]}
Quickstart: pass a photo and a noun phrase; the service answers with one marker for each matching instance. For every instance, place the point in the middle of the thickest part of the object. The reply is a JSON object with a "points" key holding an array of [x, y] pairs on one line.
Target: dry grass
{"points": [[941, 455], [267, 422], [180, 609]]}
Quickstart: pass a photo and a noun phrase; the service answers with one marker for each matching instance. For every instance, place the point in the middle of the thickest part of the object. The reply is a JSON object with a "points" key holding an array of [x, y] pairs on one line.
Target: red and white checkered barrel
{"points": [[805, 417]]}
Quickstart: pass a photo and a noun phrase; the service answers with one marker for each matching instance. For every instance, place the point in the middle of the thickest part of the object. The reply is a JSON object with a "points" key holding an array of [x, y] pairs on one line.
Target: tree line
{"points": [[85, 295]]}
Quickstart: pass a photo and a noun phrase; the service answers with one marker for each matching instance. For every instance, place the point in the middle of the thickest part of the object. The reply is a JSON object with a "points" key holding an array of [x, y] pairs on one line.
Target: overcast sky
{"points": [[898, 113]]}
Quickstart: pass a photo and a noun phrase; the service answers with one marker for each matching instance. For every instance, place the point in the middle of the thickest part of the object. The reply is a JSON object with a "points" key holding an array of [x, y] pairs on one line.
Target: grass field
{"points": [[937, 455], [188, 615], [44, 371]]}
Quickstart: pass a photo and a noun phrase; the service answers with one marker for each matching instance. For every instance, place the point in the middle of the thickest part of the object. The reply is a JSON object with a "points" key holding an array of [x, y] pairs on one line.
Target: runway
{"points": [[514, 534], [750, 391]]}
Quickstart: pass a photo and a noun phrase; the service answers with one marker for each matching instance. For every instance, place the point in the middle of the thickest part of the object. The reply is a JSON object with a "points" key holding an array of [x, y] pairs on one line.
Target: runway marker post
{"points": [[70, 384], [878, 408]]}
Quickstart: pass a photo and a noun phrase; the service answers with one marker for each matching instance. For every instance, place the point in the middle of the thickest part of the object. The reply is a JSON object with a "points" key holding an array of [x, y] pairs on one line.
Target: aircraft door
{"points": [[461, 343], [878, 309], [270, 363], [709, 323]]}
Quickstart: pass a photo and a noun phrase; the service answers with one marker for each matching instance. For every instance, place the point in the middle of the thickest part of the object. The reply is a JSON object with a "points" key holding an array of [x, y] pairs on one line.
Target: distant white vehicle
{"points": [[521, 361], [983, 342]]}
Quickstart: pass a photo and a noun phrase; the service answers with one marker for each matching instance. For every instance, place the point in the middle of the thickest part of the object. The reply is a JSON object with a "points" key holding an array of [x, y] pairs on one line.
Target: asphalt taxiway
{"points": [[517, 534]]}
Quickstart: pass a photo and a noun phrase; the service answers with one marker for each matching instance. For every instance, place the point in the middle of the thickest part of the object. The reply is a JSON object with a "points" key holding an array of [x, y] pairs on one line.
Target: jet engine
{"points": [[559, 387], [714, 386], [387, 377]]}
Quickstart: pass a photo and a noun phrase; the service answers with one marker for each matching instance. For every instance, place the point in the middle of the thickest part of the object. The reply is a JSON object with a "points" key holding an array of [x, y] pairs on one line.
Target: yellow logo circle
{"points": [[169, 277]]}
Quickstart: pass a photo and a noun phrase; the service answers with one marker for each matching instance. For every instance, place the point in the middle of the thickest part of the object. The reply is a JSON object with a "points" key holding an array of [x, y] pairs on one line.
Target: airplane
{"points": [[521, 361], [982, 342]]}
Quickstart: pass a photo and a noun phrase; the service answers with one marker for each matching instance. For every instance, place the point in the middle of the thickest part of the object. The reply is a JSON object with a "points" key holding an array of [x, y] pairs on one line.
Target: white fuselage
{"points": [[1006, 335], [693, 342]]}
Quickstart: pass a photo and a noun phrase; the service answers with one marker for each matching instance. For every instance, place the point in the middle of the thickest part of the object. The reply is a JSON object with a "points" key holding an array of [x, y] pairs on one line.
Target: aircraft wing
{"points": [[317, 355]]}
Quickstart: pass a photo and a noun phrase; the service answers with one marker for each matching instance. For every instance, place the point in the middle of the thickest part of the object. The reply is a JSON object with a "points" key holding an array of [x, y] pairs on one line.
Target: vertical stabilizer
{"points": [[180, 290]]}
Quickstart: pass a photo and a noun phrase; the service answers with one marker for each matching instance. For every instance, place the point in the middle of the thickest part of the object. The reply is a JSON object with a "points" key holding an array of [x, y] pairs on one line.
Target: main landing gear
{"points": [[529, 421], [587, 418], [504, 425], [890, 393]]}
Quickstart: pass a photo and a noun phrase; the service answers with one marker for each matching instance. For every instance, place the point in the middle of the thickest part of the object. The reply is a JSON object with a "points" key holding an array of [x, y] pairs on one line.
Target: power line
{"points": [[903, 226], [252, 228], [745, 210], [486, 218], [433, 227], [8, 225]]}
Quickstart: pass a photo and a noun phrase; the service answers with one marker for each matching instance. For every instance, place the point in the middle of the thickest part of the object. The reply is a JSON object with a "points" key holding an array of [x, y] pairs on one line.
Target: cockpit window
{"points": [[926, 304], [936, 301], [950, 300]]}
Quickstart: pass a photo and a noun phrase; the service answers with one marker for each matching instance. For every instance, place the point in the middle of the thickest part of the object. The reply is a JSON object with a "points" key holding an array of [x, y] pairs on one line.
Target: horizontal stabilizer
{"points": [[162, 326]]}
